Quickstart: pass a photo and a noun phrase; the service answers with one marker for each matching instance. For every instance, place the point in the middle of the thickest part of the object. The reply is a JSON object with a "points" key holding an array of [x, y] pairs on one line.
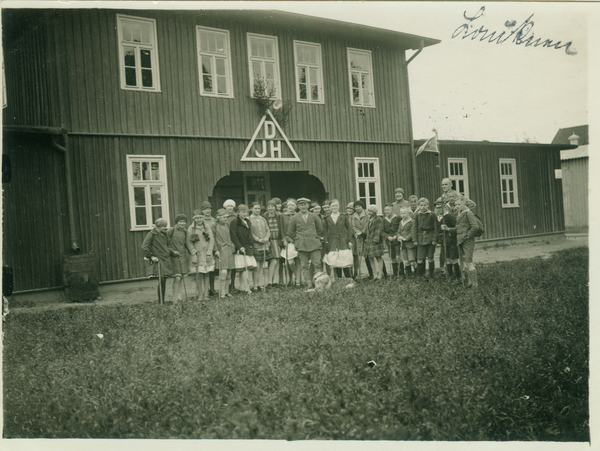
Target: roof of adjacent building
{"points": [[580, 152], [562, 136], [482, 144]]}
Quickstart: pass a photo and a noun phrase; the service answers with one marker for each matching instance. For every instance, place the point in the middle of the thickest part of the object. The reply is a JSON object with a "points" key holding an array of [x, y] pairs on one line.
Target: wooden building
{"points": [[115, 118], [156, 113], [513, 184], [575, 178]]}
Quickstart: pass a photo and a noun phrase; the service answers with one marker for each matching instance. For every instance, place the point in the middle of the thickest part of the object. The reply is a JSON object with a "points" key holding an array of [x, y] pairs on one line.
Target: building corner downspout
{"points": [[72, 233], [413, 157]]}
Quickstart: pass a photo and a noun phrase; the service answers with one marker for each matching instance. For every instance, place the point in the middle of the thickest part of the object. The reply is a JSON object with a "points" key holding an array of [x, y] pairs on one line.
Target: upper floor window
{"points": [[263, 56], [508, 182], [148, 199], [459, 175], [360, 69], [368, 181], [138, 53], [309, 77], [214, 62]]}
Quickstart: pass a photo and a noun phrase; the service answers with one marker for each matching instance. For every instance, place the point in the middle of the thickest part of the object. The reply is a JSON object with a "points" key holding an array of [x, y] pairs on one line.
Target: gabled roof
{"points": [[562, 136], [328, 26]]}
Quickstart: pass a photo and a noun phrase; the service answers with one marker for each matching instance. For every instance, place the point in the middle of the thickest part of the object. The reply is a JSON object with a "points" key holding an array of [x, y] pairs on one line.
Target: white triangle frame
{"points": [[245, 157]]}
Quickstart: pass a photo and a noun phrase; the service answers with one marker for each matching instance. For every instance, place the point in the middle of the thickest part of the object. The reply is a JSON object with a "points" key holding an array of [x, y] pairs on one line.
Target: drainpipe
{"points": [[73, 235], [413, 157]]}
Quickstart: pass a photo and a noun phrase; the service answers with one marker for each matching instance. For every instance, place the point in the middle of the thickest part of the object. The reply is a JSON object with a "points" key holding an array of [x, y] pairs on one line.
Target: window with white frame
{"points": [[138, 53], [214, 62], [263, 60], [309, 77], [459, 175], [508, 182], [360, 69], [368, 186], [148, 197]]}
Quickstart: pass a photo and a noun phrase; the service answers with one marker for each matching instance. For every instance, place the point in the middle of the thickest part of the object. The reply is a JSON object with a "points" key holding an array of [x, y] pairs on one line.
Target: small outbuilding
{"points": [[575, 178]]}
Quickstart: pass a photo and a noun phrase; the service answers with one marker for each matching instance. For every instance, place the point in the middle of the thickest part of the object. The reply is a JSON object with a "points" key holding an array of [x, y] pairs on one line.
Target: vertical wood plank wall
{"points": [[575, 194], [540, 207], [76, 55], [35, 222]]}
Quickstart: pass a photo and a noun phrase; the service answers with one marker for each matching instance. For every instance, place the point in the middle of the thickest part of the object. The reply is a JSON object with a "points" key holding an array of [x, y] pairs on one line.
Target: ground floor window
{"points": [[368, 181], [148, 197], [459, 175], [508, 182]]}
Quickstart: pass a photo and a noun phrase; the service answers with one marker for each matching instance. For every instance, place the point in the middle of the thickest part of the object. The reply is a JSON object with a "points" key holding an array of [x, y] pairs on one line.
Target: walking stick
{"points": [[183, 278], [160, 293], [287, 268], [359, 252]]}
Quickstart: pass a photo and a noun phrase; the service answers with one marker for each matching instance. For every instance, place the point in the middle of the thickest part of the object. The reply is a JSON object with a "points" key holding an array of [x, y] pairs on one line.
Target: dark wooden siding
{"points": [[540, 207], [79, 59], [36, 230], [35, 220], [30, 92]]}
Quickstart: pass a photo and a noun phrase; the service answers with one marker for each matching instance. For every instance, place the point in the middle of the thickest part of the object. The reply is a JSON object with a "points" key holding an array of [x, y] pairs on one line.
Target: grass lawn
{"points": [[506, 361]]}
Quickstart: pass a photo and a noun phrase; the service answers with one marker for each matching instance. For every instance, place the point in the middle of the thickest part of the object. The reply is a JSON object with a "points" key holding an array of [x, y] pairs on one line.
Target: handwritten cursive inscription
{"points": [[519, 35]]}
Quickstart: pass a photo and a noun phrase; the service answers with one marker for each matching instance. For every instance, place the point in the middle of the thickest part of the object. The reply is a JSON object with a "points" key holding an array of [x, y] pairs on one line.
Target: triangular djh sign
{"points": [[269, 143]]}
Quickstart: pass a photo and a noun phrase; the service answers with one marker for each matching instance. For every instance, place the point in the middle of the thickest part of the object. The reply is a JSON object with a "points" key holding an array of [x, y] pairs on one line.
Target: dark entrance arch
{"points": [[245, 187]]}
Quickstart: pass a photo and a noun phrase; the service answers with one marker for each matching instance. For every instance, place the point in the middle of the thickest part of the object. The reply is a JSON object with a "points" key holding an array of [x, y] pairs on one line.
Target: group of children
{"points": [[294, 242]]}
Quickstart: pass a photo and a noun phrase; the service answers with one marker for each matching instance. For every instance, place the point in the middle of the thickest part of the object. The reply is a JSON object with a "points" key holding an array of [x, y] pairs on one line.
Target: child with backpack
{"points": [[468, 226]]}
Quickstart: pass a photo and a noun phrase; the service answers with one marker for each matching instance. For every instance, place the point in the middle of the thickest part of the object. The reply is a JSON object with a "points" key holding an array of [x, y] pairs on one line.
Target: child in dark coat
{"points": [[159, 249], [425, 231]]}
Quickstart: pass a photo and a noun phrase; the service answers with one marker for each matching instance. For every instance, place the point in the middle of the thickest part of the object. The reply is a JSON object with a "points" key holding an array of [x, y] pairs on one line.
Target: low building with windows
{"points": [[513, 184], [115, 118]]}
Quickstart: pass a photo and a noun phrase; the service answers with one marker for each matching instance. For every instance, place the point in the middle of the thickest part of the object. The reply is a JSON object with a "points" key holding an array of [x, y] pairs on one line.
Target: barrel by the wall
{"points": [[81, 276]]}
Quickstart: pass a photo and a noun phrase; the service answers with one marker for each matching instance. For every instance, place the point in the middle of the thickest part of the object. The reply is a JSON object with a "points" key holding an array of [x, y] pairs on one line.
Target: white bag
{"points": [[292, 253], [339, 259]]}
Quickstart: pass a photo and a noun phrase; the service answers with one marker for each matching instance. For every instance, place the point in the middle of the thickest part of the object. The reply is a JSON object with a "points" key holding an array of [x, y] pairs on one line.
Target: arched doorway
{"points": [[248, 187]]}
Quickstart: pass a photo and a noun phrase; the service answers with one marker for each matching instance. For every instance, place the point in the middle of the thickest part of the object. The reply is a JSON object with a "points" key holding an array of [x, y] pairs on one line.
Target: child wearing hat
{"points": [[262, 253], [158, 248], [224, 249], [229, 206], [200, 243], [290, 254], [275, 223], [407, 248], [390, 227], [178, 236], [373, 246], [359, 225], [241, 235], [425, 231], [399, 202], [211, 222]]}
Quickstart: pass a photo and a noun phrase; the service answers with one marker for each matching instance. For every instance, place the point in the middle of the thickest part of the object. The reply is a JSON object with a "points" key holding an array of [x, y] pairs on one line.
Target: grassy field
{"points": [[507, 361]]}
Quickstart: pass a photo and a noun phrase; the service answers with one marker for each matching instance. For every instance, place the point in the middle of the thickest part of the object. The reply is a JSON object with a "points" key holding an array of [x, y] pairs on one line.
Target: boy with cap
{"points": [[425, 231], [306, 230], [158, 248], [400, 201], [178, 236]]}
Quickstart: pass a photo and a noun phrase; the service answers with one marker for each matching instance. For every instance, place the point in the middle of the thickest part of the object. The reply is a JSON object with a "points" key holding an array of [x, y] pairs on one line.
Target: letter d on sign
{"points": [[269, 130]]}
